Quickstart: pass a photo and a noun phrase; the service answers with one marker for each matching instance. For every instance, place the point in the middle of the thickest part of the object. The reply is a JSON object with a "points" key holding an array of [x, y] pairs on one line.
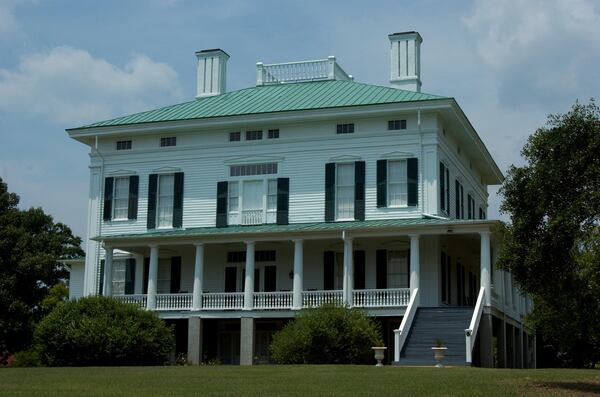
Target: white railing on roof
{"points": [[392, 297], [471, 332], [295, 72], [252, 217]]}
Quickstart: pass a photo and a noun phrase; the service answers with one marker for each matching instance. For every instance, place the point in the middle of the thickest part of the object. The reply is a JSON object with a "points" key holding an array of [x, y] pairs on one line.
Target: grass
{"points": [[295, 381]]}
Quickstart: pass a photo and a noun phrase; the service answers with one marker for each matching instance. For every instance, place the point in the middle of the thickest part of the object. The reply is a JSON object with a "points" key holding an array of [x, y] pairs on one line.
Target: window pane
{"points": [[397, 183], [272, 195], [165, 200], [121, 198], [233, 196], [163, 278], [118, 281], [345, 191]]}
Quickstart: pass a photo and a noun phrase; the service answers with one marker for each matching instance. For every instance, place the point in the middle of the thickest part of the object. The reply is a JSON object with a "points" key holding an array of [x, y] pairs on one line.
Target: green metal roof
{"points": [[295, 227], [274, 98]]}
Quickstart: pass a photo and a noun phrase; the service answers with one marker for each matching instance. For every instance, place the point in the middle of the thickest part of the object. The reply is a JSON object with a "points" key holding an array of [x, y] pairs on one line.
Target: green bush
{"points": [[327, 335], [102, 331], [27, 358]]}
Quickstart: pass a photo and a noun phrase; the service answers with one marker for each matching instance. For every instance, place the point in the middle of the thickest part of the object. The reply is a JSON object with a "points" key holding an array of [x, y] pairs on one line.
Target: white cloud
{"points": [[69, 86], [544, 48], [8, 22]]}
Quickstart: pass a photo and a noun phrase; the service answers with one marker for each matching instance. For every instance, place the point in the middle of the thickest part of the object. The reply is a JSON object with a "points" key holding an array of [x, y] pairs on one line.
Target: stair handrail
{"points": [[401, 333], [471, 332]]}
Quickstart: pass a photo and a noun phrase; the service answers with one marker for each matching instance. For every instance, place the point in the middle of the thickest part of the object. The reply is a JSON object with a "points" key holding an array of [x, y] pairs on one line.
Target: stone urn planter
{"points": [[438, 353], [379, 354]]}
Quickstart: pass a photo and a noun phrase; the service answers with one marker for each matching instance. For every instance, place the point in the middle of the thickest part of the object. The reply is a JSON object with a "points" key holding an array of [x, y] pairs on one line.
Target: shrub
{"points": [[102, 331], [27, 358], [327, 335]]}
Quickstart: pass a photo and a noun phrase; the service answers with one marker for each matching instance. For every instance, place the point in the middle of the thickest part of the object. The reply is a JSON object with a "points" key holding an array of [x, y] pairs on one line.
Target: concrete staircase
{"points": [[430, 323]]}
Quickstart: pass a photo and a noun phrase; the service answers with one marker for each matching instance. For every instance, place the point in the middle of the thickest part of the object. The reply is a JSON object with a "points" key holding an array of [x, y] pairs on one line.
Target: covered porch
{"points": [[357, 264]]}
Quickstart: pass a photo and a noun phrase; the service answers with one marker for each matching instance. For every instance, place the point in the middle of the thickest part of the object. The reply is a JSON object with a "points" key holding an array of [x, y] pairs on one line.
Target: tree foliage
{"points": [[327, 335], [552, 244], [102, 331], [30, 246]]}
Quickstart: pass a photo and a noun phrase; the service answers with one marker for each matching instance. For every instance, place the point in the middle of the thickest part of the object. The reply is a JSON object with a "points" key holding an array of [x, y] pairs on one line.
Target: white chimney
{"points": [[212, 72], [406, 61]]}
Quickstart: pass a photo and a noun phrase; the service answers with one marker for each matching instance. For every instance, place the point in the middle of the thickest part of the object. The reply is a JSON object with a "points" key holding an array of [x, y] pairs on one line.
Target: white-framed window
{"points": [[118, 282], [344, 191], [235, 136], [397, 183], [396, 125], [255, 135], [168, 141], [252, 201], [444, 188], [124, 145], [120, 198], [273, 133], [166, 190], [397, 269]]}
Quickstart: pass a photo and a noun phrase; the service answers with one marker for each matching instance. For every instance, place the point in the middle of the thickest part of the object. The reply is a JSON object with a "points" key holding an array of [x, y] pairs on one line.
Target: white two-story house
{"points": [[230, 213]]}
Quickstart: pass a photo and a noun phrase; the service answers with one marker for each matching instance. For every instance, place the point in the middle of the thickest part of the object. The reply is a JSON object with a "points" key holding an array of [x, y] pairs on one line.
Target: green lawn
{"points": [[294, 381]]}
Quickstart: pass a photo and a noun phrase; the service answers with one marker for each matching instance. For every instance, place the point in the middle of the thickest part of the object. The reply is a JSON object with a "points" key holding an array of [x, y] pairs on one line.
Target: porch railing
{"points": [[173, 301], [252, 217], [138, 299], [471, 332], [273, 300], [223, 301], [392, 297], [318, 298]]}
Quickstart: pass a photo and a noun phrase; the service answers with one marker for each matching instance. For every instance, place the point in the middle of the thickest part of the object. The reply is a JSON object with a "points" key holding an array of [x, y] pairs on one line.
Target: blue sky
{"points": [[508, 63]]}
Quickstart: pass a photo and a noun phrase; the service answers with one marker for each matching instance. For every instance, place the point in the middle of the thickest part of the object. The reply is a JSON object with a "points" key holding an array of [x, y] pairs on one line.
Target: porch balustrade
{"points": [[392, 297], [318, 298], [282, 300], [273, 300], [137, 299], [252, 217], [223, 301], [173, 301]]}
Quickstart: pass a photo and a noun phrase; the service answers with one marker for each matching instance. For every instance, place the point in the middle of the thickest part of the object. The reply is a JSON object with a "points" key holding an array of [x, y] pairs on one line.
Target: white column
{"points": [[198, 277], [108, 265], [485, 264], [249, 281], [348, 285], [415, 265], [152, 275], [298, 274], [138, 288]]}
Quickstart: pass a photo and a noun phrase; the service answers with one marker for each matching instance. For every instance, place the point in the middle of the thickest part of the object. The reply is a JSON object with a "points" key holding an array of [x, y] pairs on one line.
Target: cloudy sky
{"points": [[64, 63]]}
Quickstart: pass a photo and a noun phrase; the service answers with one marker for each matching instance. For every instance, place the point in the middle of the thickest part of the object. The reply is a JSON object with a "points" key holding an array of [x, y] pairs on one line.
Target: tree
{"points": [[99, 330], [327, 335], [30, 246], [552, 244]]}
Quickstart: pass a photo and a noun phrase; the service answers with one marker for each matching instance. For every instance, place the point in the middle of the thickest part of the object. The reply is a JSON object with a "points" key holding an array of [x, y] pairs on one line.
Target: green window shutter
{"points": [[457, 199], [359, 190], [146, 275], [222, 204], [381, 269], [329, 192], [178, 200], [328, 270], [283, 200], [381, 183], [152, 190], [359, 269], [412, 171], [447, 182], [129, 276], [101, 283], [175, 274], [132, 208], [442, 187], [108, 198]]}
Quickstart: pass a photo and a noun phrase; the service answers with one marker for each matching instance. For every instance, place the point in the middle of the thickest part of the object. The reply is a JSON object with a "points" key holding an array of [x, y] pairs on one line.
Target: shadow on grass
{"points": [[583, 387]]}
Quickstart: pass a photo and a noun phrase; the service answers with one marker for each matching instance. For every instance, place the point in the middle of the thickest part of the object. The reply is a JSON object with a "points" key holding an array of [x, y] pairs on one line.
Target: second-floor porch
{"points": [[373, 268]]}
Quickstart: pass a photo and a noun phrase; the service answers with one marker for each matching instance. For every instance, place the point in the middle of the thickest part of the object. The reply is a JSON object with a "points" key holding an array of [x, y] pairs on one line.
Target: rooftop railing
{"points": [[296, 72]]}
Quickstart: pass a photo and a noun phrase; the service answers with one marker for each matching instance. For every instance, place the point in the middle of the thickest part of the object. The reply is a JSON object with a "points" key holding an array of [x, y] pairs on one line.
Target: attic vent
{"points": [[297, 72]]}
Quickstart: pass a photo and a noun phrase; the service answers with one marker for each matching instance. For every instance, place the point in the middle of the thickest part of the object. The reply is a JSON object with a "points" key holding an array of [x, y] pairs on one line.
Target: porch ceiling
{"points": [[425, 225]]}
